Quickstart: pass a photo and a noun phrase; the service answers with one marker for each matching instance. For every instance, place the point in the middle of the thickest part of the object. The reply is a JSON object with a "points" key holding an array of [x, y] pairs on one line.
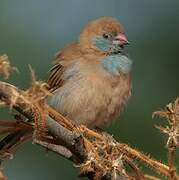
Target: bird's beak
{"points": [[120, 40]]}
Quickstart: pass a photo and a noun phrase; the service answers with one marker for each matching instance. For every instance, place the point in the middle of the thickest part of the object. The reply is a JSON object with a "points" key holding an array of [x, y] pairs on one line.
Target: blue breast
{"points": [[117, 63]]}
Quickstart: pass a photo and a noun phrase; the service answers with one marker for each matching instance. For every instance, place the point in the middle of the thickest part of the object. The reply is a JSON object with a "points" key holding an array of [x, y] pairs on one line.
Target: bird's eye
{"points": [[106, 36]]}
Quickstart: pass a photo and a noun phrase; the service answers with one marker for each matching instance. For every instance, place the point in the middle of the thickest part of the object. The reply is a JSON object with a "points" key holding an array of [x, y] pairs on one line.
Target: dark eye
{"points": [[106, 36]]}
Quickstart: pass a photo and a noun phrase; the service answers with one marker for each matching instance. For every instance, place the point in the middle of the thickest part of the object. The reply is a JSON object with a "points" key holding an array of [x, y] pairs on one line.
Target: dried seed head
{"points": [[5, 67], [171, 113]]}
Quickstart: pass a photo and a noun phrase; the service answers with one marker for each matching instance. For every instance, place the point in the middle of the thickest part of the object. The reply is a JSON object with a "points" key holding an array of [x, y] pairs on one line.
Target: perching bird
{"points": [[91, 77], [90, 80]]}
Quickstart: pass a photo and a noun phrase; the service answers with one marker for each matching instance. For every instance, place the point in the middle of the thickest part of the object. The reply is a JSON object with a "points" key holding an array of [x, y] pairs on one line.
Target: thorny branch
{"points": [[171, 113], [97, 155]]}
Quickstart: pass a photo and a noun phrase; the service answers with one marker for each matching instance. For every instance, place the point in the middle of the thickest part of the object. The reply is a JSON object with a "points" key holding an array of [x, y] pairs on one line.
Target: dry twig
{"points": [[96, 154]]}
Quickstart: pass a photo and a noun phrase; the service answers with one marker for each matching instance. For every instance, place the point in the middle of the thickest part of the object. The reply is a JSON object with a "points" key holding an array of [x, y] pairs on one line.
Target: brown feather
{"points": [[62, 59]]}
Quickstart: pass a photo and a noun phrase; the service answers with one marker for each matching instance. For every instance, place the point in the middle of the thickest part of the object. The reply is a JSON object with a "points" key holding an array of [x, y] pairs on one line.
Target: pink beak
{"points": [[120, 40]]}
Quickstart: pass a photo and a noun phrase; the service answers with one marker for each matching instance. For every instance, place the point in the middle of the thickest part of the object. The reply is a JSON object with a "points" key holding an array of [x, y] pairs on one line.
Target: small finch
{"points": [[91, 77], [90, 81]]}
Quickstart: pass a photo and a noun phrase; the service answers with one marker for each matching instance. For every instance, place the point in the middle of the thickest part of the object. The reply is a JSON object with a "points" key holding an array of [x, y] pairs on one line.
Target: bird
{"points": [[90, 79]]}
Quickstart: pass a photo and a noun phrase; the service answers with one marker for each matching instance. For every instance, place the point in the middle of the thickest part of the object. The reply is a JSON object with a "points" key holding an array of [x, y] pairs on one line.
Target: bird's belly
{"points": [[91, 101]]}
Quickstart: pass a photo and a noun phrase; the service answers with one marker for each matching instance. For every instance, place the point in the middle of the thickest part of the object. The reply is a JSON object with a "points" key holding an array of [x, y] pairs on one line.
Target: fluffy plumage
{"points": [[90, 79]]}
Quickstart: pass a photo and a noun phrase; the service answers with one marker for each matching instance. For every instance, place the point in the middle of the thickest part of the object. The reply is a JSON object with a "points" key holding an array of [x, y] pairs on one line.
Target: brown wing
{"points": [[62, 60], [54, 81]]}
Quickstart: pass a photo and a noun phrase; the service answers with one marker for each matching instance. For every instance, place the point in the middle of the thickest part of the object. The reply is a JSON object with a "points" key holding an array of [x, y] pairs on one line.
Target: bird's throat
{"points": [[117, 63]]}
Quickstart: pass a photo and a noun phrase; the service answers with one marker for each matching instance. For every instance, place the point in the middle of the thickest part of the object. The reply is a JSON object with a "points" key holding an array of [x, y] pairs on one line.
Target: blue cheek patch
{"points": [[102, 44], [117, 63]]}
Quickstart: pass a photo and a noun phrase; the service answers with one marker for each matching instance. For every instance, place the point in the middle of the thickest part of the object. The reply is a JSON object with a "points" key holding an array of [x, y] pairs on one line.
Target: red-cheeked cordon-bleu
{"points": [[91, 77], [90, 80]]}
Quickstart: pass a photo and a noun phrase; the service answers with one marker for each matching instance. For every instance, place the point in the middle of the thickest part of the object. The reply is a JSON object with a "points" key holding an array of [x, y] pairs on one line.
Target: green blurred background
{"points": [[32, 31]]}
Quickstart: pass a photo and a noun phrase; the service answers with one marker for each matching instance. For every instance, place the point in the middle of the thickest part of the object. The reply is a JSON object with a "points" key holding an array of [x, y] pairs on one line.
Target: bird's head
{"points": [[104, 35]]}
